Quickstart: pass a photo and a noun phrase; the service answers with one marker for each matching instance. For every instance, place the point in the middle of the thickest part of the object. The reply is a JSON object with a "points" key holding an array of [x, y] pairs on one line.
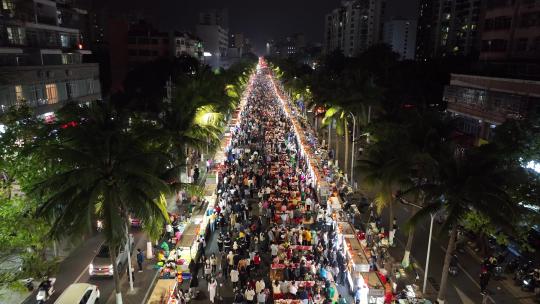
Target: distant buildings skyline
{"points": [[400, 34], [354, 26]]}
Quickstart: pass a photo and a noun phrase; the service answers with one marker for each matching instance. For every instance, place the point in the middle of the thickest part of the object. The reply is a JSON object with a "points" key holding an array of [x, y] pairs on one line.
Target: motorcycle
{"points": [[453, 268], [99, 225], [531, 281], [28, 283], [528, 282], [45, 290], [522, 271]]}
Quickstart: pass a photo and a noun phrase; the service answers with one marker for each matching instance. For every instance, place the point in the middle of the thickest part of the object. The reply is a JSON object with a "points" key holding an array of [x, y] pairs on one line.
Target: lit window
{"points": [[52, 93], [19, 93], [7, 4], [64, 40], [15, 35]]}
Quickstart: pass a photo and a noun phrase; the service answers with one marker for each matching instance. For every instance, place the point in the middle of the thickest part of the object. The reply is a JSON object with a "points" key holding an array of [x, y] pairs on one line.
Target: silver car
{"points": [[101, 264]]}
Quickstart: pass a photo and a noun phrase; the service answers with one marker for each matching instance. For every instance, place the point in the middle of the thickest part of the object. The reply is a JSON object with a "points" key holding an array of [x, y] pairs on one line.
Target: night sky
{"points": [[259, 20]]}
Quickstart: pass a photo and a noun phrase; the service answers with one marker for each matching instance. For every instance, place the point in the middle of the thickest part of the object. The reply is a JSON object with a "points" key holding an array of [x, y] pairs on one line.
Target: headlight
{"points": [[90, 269], [111, 269], [525, 282]]}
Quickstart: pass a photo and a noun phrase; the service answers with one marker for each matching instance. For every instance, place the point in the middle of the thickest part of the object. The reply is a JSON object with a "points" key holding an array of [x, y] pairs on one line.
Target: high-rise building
{"points": [[213, 29], [448, 27], [400, 34], [43, 45], [290, 46], [140, 42], [354, 26], [510, 30], [215, 17], [145, 43]]}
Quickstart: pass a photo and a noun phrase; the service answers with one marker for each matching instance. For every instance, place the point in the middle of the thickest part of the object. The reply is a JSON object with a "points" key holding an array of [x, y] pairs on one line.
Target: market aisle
{"points": [[267, 205], [278, 231]]}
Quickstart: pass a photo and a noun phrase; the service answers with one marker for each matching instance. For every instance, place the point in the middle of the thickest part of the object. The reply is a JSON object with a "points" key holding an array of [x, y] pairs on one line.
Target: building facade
{"points": [[510, 30], [400, 34], [448, 27], [289, 46], [482, 103], [354, 26], [42, 56], [146, 44], [184, 43], [213, 30]]}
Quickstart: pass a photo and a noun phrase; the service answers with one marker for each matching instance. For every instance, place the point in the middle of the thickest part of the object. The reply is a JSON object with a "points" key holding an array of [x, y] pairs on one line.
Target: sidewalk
{"points": [[144, 281]]}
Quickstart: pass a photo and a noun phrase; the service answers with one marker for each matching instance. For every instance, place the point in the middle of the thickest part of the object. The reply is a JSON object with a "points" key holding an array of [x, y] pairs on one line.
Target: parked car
{"points": [[80, 293], [101, 264], [134, 222]]}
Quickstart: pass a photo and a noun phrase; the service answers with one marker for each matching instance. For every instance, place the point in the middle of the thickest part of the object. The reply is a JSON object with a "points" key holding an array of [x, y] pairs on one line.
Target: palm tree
{"points": [[427, 133], [107, 172], [341, 116], [386, 170], [473, 181]]}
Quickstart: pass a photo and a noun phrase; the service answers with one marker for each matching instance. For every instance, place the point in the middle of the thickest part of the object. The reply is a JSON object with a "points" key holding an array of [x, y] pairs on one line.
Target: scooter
{"points": [[28, 283], [453, 269], [99, 225], [45, 294], [531, 281], [522, 271]]}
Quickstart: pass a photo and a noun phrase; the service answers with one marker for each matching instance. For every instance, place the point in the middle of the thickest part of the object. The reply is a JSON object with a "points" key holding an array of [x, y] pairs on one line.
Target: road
{"points": [[464, 287], [74, 269]]}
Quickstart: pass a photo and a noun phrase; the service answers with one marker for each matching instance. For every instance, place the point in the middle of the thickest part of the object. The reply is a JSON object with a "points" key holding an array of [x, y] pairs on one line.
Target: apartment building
{"points": [[42, 56], [354, 26], [482, 103]]}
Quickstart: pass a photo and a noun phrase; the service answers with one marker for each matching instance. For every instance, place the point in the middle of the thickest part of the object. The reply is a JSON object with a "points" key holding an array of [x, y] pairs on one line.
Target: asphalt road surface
{"points": [[74, 269]]}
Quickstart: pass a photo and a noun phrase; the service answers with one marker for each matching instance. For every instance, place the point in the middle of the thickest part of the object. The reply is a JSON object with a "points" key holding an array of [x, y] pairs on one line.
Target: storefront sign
{"points": [[377, 293], [363, 267]]}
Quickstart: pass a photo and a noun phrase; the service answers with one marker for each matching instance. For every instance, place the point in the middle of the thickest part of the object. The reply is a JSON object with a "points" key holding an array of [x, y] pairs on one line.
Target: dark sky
{"points": [[259, 20]]}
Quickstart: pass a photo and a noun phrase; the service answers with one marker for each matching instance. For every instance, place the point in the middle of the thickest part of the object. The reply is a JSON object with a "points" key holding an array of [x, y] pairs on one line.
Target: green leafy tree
{"points": [[107, 172], [473, 181]]}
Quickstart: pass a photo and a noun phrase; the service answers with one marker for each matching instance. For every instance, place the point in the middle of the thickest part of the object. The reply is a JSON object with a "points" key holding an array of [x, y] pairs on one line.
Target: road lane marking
{"points": [[81, 274], [469, 276]]}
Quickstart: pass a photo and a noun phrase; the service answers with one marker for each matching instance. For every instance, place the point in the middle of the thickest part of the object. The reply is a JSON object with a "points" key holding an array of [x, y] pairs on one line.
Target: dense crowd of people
{"points": [[276, 240]]}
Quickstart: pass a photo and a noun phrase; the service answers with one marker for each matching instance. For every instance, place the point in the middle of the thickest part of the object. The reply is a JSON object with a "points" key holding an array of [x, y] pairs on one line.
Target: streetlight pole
{"points": [[432, 218], [368, 121], [428, 253], [352, 148]]}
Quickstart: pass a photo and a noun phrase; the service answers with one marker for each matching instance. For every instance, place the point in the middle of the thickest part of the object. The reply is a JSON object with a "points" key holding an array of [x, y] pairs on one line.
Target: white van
{"points": [[79, 293]]}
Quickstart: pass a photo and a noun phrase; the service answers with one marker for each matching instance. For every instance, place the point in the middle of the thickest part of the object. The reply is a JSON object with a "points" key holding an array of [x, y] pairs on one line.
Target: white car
{"points": [[101, 264], [79, 293]]}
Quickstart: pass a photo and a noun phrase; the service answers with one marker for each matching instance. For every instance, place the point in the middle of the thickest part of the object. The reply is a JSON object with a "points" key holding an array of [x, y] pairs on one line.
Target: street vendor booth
{"points": [[164, 292], [360, 276]]}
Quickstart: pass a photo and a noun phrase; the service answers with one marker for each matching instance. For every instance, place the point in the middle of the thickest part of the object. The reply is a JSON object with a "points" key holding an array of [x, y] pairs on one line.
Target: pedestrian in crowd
{"points": [[212, 288], [234, 275], [140, 259], [269, 210]]}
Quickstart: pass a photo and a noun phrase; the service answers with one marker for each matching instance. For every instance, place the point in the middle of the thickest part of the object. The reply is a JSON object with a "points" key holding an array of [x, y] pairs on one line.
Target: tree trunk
{"points": [[116, 275], [329, 136], [346, 161], [337, 148], [406, 256], [447, 258], [390, 214]]}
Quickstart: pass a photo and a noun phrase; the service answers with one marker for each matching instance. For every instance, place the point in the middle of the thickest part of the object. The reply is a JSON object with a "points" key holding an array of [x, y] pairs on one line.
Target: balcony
{"points": [[49, 20]]}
